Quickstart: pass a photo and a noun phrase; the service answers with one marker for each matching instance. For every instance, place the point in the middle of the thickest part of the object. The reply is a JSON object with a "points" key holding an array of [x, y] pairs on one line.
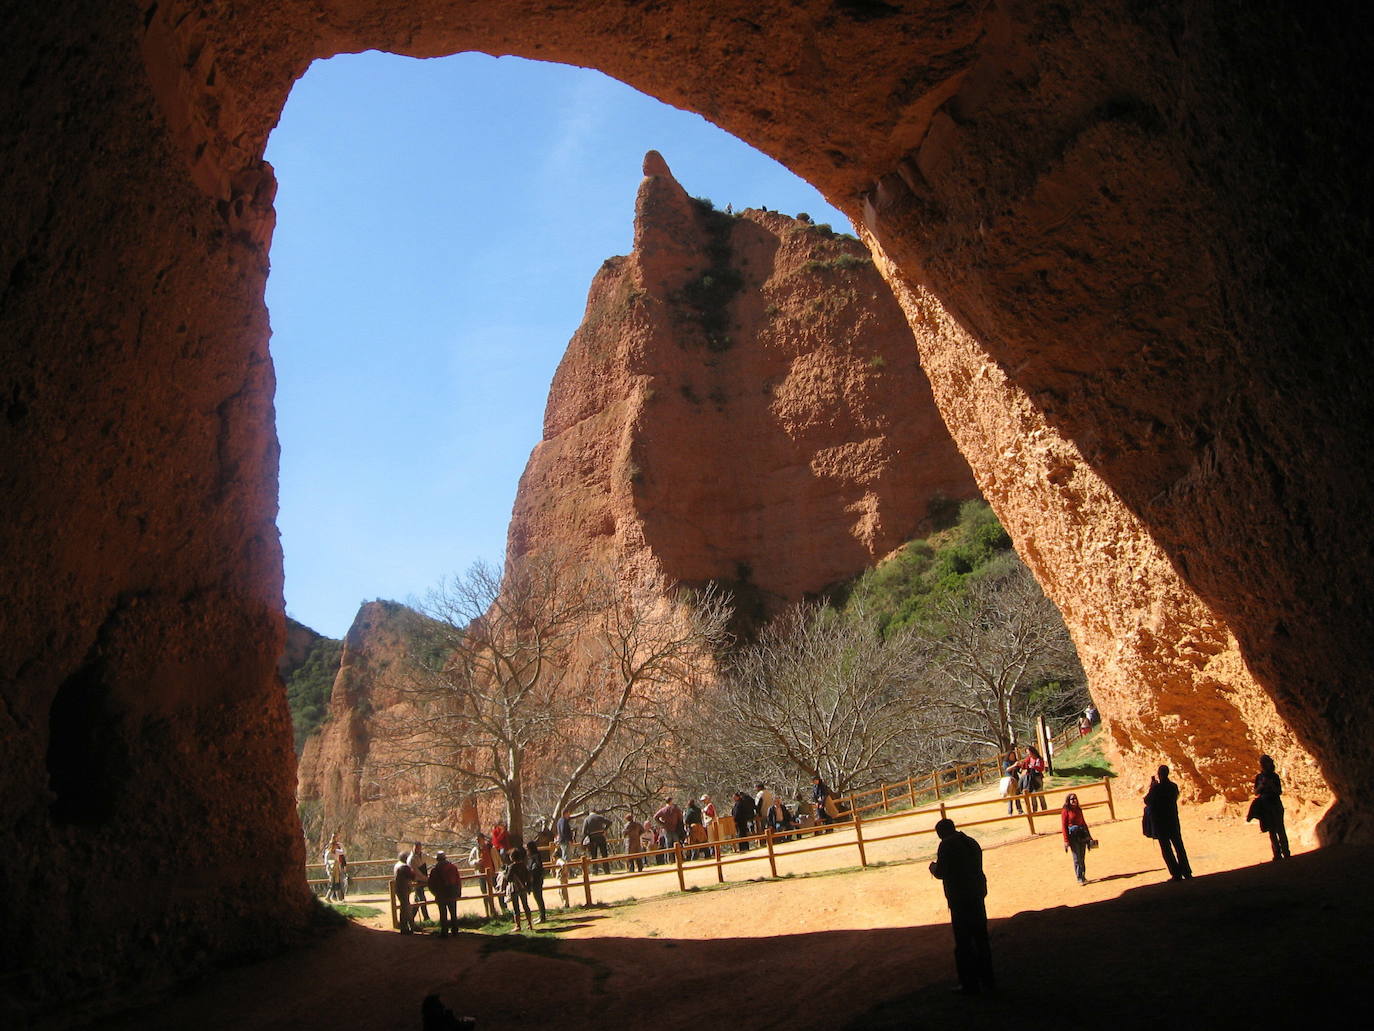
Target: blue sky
{"points": [[438, 224]]}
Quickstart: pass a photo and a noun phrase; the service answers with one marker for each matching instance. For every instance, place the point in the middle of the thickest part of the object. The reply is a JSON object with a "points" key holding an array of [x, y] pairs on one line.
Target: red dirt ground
{"points": [[1247, 942]]}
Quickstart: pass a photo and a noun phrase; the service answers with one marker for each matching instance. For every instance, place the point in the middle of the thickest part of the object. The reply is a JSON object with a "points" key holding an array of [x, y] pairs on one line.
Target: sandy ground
{"points": [[1246, 942]]}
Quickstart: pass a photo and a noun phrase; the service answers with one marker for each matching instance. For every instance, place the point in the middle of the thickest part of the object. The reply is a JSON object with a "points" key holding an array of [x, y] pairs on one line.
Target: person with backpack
{"points": [[446, 885], [515, 884]]}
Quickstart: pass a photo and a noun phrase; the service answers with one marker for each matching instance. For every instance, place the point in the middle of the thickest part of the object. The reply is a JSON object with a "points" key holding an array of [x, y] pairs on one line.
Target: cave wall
{"points": [[1149, 219]]}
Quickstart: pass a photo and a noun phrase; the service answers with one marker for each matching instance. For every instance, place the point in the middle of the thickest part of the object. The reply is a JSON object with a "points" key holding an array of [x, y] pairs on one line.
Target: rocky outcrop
{"points": [[741, 404], [346, 781]]}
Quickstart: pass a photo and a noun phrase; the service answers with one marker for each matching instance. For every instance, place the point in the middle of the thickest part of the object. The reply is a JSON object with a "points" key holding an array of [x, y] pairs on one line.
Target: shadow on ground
{"points": [[1268, 945]]}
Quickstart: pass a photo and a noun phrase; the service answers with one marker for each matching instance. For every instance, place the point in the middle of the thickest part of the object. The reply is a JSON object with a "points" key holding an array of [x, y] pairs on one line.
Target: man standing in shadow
{"points": [[1162, 800], [959, 866]]}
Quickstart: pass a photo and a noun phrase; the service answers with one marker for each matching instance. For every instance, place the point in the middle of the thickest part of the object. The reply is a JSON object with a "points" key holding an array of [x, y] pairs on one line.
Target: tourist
{"points": [[1267, 807], [1077, 838], [1162, 802], [446, 884], [485, 865], [1091, 713], [1085, 726], [743, 813], [633, 833], [335, 870], [535, 862], [826, 809], [594, 829], [404, 881], [708, 818], [763, 802], [1011, 781], [694, 833], [416, 859], [959, 866], [669, 820], [500, 842], [515, 879], [1033, 768], [566, 838]]}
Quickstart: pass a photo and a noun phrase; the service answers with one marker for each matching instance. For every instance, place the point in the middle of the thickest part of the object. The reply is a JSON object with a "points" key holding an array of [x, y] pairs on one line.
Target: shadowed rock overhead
{"points": [[742, 403], [1149, 223]]}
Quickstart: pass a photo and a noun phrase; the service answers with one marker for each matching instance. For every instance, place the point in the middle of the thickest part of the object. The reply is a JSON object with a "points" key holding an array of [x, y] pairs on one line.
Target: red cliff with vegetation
{"points": [[742, 403]]}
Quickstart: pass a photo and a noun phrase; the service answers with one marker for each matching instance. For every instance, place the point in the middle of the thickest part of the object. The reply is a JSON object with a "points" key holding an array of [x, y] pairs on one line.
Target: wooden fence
{"points": [[578, 877]]}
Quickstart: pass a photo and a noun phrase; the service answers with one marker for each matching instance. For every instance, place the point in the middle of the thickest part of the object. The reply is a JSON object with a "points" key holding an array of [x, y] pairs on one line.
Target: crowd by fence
{"points": [[900, 799], [579, 878]]}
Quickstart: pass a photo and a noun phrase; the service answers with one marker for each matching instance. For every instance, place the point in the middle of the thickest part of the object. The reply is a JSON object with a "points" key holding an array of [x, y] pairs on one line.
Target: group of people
{"points": [[1024, 775], [694, 826], [508, 873], [959, 861]]}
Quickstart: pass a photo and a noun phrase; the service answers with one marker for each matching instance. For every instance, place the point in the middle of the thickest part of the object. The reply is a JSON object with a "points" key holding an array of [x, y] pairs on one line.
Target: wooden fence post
{"points": [[885, 808], [1111, 807], [772, 856], [395, 909], [677, 854], [562, 883], [1030, 811], [911, 790], [959, 775], [859, 839], [942, 812], [935, 779], [720, 870], [587, 879]]}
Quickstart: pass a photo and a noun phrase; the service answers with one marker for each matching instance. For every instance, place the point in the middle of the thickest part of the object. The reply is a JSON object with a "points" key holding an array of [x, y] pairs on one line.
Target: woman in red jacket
{"points": [[1076, 835]]}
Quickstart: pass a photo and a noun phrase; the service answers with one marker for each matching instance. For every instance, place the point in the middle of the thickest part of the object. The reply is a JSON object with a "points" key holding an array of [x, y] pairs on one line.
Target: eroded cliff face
{"points": [[742, 403], [346, 781]]}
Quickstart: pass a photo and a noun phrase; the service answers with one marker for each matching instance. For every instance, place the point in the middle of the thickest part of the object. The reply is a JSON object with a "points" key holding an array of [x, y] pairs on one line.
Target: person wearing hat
{"points": [[708, 818], [446, 885]]}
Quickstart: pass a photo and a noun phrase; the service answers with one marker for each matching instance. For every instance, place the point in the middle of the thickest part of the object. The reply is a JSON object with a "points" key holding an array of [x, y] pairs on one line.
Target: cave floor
{"points": [[1246, 941]]}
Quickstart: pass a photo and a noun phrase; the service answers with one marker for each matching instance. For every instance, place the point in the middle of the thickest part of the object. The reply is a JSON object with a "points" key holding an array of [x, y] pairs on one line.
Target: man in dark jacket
{"points": [[594, 829], [446, 885], [959, 866], [743, 813], [1162, 800]]}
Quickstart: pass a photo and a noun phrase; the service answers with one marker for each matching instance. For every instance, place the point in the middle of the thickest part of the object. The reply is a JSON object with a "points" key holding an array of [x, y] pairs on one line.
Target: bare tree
{"points": [[548, 682], [987, 648], [818, 692]]}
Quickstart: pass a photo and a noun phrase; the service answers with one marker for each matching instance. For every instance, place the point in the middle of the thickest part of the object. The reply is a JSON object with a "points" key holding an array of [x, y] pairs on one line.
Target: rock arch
{"points": [[1145, 224]]}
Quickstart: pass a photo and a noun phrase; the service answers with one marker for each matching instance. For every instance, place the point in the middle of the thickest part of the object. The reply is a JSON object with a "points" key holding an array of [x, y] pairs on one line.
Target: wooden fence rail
{"points": [[768, 843]]}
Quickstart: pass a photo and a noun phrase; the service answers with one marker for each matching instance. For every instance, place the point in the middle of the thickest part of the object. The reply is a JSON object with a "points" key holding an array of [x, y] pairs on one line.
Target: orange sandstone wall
{"points": [[780, 437]]}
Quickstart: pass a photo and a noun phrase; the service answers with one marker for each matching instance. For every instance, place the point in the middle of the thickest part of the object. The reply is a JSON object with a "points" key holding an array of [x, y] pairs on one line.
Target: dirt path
{"points": [[1247, 941]]}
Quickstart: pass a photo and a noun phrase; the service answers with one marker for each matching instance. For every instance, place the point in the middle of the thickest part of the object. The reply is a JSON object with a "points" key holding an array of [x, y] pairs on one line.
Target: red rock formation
{"points": [[1151, 221], [342, 783], [741, 403], [774, 432]]}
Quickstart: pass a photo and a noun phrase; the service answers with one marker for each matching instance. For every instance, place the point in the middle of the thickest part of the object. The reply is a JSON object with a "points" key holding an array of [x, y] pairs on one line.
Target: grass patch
{"points": [[354, 912], [1083, 761]]}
